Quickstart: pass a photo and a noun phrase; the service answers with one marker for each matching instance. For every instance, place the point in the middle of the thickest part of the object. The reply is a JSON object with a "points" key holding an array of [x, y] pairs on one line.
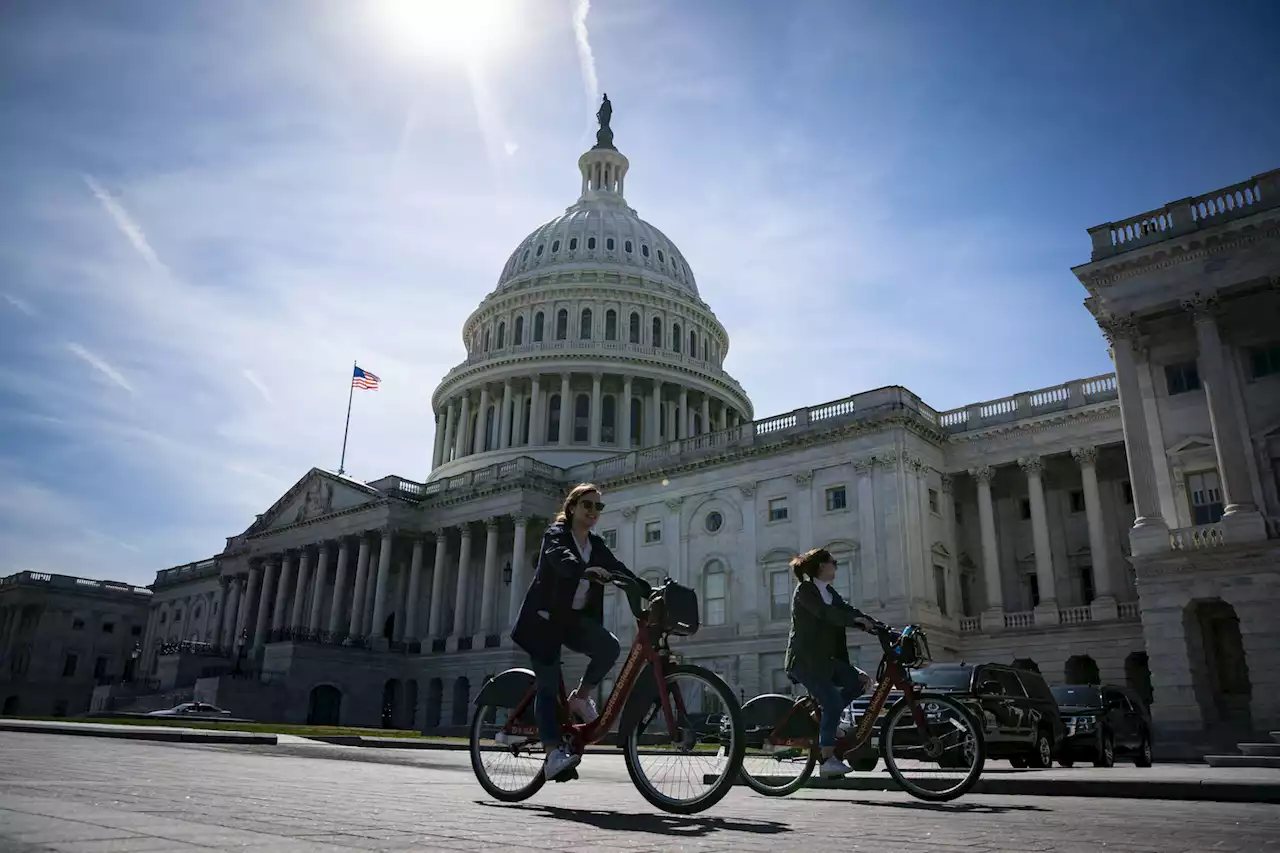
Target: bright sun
{"points": [[446, 29]]}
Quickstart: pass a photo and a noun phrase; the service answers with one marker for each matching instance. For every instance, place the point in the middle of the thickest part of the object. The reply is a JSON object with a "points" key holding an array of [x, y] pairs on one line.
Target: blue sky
{"points": [[207, 211]]}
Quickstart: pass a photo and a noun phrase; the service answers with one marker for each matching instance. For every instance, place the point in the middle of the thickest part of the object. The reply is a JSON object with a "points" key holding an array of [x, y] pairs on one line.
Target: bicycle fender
{"points": [[506, 689], [643, 696]]}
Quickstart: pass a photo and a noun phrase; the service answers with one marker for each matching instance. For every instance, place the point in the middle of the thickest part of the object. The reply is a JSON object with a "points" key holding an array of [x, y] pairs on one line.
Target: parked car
{"points": [[1015, 708], [191, 709], [1103, 721]]}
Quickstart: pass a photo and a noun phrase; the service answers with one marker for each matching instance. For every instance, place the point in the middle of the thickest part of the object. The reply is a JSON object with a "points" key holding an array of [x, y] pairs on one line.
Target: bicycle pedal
{"points": [[566, 775]]}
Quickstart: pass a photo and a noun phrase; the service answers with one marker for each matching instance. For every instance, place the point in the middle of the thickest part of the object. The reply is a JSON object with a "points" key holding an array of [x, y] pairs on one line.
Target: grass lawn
{"points": [[261, 728]]}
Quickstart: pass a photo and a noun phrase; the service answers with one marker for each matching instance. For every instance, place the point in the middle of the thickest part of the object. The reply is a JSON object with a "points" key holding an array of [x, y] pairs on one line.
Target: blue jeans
{"points": [[833, 695], [585, 636]]}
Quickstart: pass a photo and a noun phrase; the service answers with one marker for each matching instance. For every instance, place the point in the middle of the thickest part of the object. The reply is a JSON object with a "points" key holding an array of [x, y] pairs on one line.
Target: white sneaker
{"points": [[558, 761], [583, 707], [834, 768]]}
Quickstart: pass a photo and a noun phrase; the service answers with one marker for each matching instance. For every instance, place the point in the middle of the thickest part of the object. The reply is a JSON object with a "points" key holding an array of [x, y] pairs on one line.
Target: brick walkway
{"points": [[61, 793]]}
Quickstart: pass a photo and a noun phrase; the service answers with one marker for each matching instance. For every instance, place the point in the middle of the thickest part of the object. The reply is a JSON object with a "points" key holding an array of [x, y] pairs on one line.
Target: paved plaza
{"points": [[90, 795]]}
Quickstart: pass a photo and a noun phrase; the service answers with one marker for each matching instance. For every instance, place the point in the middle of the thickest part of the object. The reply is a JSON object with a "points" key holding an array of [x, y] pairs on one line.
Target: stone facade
{"points": [[60, 636]]}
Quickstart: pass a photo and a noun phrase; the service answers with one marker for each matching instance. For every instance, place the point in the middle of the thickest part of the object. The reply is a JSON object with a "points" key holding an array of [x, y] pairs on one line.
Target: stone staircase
{"points": [[1252, 755]]}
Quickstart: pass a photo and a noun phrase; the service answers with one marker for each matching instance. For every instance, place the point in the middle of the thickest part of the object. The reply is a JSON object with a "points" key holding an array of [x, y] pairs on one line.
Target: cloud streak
{"points": [[100, 365], [586, 58], [259, 384], [19, 304], [128, 226]]}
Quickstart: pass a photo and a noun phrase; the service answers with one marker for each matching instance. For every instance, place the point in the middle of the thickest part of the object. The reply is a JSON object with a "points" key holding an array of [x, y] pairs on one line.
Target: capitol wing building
{"points": [[1118, 528]]}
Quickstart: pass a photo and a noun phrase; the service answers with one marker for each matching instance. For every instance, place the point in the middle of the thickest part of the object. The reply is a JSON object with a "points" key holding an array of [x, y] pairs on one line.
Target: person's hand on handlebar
{"points": [[598, 574]]}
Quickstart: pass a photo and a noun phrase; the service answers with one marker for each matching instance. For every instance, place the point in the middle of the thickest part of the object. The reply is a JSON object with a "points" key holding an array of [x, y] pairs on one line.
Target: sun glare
{"points": [[465, 30]]}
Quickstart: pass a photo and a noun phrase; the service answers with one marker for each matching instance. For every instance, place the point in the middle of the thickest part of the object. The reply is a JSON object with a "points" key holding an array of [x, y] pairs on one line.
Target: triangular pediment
{"points": [[1194, 444], [317, 494]]}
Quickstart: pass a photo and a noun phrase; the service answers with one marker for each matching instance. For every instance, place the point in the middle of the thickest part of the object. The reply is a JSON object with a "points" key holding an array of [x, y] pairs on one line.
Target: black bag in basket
{"points": [[677, 609]]}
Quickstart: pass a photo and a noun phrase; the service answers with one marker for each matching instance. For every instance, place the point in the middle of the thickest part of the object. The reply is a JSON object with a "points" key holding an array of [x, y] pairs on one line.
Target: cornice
{"points": [[1085, 414], [377, 503], [1162, 256], [1259, 557]]}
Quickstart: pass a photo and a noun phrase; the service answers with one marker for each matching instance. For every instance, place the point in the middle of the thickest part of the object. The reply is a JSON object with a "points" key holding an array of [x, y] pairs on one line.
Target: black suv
{"points": [[1102, 722], [1017, 711]]}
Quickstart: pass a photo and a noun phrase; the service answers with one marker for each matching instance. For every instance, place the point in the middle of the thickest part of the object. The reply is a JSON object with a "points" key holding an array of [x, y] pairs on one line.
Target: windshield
{"points": [[950, 678], [1080, 695]]}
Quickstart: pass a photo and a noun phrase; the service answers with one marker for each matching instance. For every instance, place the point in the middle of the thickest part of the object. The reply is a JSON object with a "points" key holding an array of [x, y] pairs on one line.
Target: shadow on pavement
{"points": [[659, 824], [970, 808]]}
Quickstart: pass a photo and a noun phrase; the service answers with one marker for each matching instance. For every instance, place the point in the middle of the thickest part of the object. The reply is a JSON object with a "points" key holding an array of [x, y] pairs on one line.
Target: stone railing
{"points": [[1187, 215], [1030, 404], [1196, 538], [508, 471], [191, 571], [1024, 619], [1075, 615], [970, 624], [1128, 610]]}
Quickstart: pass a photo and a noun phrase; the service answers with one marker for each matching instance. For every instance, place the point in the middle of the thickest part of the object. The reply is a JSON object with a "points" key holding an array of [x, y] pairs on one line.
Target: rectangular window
{"points": [[69, 665], [610, 538], [959, 516], [100, 668], [1077, 501], [715, 599], [652, 532], [108, 627], [1024, 508], [1205, 494], [933, 501], [940, 588], [777, 509], [836, 498], [966, 593], [780, 596], [1264, 360], [1127, 489], [1086, 585], [1181, 378], [1031, 583]]}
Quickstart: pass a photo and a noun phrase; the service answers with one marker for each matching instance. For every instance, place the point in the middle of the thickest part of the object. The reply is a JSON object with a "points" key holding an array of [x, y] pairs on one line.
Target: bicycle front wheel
{"points": [[941, 763], [778, 769], [692, 770]]}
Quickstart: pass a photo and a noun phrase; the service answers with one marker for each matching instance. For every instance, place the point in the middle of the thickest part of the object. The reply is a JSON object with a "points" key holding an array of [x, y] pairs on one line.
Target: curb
{"points": [[1129, 789], [171, 735]]}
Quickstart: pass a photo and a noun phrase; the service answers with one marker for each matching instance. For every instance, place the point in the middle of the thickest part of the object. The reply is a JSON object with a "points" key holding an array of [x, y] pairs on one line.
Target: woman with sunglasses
{"points": [[563, 608]]}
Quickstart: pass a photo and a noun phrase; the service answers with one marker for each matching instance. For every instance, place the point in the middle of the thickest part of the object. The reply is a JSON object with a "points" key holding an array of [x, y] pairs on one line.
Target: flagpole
{"points": [[351, 391]]}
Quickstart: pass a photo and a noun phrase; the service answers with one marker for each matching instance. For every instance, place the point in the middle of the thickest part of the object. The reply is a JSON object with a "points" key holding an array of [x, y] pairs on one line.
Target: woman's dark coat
{"points": [[818, 631], [547, 612]]}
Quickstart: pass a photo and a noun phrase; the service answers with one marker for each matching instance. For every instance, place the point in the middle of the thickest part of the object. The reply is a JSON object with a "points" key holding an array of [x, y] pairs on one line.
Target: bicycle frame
{"points": [[643, 651]]}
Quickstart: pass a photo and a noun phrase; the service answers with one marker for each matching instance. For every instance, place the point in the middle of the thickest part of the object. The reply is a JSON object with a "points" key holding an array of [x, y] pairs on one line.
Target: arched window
{"points": [[553, 419], [675, 336], [697, 423], [502, 335], [627, 246], [486, 340], [526, 421], [539, 252], [584, 326], [555, 247], [591, 242], [517, 333], [693, 344], [657, 332], [490, 428], [714, 593], [582, 418], [611, 325], [609, 419], [637, 421], [635, 328], [573, 244], [537, 327], [562, 324], [608, 244], [644, 249]]}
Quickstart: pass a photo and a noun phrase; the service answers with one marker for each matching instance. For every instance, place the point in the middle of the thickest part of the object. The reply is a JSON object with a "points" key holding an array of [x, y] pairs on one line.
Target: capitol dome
{"points": [[594, 342]]}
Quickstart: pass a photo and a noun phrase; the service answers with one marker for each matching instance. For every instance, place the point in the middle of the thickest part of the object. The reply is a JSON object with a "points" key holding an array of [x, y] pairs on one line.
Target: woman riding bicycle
{"points": [[563, 608], [817, 654]]}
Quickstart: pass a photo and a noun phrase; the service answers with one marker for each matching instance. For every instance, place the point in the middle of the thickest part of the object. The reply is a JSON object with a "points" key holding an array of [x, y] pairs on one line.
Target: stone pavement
{"points": [[66, 794]]}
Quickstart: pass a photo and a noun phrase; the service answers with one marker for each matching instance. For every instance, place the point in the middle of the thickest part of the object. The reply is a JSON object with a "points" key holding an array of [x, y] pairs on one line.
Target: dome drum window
{"points": [[591, 242], [644, 249], [539, 252], [608, 244], [573, 244], [627, 247], [661, 259], [555, 247], [714, 521]]}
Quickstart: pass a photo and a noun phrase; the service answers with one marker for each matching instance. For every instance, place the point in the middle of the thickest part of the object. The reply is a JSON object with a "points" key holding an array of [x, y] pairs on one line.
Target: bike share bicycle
{"points": [[921, 733], [664, 710]]}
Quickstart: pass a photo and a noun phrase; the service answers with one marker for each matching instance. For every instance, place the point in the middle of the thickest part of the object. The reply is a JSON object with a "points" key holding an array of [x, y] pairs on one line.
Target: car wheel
{"points": [[1106, 753], [1041, 756], [1143, 756]]}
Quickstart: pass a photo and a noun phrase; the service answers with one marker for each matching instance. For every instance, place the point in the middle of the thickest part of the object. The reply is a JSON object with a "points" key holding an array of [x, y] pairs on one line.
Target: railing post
{"points": [[802, 418], [632, 457]]}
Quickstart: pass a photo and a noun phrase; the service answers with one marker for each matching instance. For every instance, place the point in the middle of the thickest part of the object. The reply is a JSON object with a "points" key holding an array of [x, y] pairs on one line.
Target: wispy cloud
{"points": [[99, 364], [259, 384], [126, 223], [19, 304], [586, 58]]}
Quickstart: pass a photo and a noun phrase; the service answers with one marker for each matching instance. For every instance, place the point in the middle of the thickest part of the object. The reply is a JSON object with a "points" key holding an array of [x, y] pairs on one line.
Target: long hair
{"points": [[571, 501], [806, 565]]}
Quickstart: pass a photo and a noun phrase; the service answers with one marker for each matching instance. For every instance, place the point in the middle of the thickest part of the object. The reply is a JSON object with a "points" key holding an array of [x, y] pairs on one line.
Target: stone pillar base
{"points": [[379, 644], [992, 620], [1104, 609], [1047, 613], [1241, 527], [1150, 538]]}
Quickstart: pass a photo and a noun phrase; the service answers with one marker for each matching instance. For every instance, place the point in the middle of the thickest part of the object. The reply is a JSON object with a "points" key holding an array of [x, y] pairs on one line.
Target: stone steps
{"points": [[1260, 748], [1272, 761], [1275, 736]]}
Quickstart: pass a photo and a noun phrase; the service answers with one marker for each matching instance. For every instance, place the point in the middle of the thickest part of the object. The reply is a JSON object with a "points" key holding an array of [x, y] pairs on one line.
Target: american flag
{"points": [[366, 380]]}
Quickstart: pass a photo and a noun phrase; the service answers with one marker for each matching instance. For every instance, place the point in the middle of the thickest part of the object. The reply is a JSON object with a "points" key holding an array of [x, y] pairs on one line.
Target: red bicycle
{"points": [[664, 710], [922, 734]]}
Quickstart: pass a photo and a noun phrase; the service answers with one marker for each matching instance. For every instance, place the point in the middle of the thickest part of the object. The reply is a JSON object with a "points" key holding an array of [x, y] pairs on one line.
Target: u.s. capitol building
{"points": [[1111, 528]]}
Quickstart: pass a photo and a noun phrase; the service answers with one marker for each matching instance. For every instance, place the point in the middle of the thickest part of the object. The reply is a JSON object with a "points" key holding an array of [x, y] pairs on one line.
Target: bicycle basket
{"points": [[913, 647], [675, 609]]}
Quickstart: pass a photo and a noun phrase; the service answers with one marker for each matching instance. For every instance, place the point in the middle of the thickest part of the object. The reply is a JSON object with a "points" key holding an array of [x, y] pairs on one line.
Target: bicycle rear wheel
{"points": [[708, 742], [778, 769], [941, 766], [508, 768]]}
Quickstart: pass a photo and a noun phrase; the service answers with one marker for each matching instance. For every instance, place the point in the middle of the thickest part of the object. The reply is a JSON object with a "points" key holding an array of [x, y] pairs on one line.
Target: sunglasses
{"points": [[596, 505]]}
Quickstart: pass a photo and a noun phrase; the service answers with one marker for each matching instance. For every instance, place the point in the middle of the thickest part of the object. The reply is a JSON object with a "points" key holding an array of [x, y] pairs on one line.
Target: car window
{"points": [[1036, 687], [1077, 694], [1008, 680], [943, 678]]}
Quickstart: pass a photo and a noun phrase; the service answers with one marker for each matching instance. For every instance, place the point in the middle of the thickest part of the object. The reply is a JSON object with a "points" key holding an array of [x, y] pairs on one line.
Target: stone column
{"points": [[656, 414], [282, 591], [519, 436], [537, 427], [227, 624], [318, 587], [724, 416], [566, 410], [435, 622], [684, 419], [356, 625], [412, 598], [464, 420], [1047, 610], [437, 451], [706, 413], [624, 427], [400, 601], [518, 584], [597, 410], [337, 608], [868, 552], [249, 605], [370, 587], [946, 508], [1122, 334], [380, 585], [482, 414], [504, 418], [993, 616], [462, 599], [1233, 462], [489, 593], [300, 593], [450, 425], [264, 601], [1104, 603]]}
